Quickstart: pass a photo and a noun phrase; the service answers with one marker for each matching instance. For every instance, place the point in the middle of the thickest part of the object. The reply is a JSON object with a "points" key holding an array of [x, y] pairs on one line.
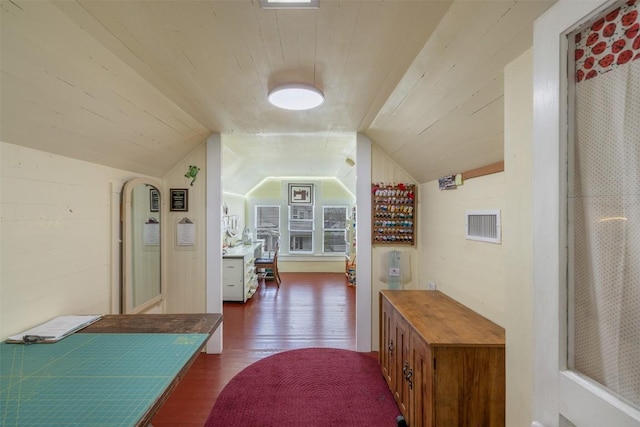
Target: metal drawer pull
{"points": [[408, 373]]}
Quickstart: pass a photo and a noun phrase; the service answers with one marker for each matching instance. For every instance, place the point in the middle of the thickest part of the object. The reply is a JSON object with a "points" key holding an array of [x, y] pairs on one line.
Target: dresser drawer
{"points": [[233, 289], [239, 280], [232, 268]]}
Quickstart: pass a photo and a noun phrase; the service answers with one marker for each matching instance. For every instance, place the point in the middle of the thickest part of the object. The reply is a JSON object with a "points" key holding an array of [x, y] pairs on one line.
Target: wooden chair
{"points": [[270, 263]]}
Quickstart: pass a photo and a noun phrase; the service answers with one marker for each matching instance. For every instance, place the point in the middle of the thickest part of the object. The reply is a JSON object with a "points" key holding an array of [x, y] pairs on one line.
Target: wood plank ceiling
{"points": [[138, 84]]}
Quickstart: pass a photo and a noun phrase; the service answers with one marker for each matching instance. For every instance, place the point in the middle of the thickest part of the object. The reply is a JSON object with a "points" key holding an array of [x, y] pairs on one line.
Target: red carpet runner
{"points": [[311, 387]]}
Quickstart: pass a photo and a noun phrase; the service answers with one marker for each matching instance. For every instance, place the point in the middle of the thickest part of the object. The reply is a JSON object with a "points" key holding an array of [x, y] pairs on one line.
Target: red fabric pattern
{"points": [[611, 41]]}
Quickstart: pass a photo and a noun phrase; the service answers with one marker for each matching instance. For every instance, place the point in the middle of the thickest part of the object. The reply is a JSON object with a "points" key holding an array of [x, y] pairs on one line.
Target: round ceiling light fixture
{"points": [[296, 97]]}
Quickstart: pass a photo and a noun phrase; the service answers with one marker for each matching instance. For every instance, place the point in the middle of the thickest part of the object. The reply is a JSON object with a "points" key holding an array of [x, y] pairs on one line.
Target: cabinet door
{"points": [[421, 390], [403, 364], [387, 343], [468, 386]]}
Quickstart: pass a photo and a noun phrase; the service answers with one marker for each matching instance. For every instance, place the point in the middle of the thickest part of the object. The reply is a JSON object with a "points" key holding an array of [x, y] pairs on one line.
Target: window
{"points": [[301, 229], [334, 224], [603, 213], [268, 225]]}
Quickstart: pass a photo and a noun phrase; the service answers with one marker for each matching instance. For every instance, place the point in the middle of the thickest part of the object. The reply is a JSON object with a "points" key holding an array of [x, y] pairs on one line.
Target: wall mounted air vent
{"points": [[483, 226]]}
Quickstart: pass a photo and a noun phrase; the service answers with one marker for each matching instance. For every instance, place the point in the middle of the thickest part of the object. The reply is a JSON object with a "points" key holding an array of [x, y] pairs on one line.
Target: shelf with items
{"points": [[350, 257], [394, 214]]}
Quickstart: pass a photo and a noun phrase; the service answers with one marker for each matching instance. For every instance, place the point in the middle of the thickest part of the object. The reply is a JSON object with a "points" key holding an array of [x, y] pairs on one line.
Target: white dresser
{"points": [[239, 279]]}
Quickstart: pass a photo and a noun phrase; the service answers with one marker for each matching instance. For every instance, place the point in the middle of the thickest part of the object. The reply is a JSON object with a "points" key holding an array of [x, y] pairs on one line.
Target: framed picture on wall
{"points": [[179, 198], [300, 194], [154, 200]]}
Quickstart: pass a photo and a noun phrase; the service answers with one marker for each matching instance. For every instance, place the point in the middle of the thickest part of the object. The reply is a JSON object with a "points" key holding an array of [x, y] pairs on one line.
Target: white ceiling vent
{"points": [[483, 226]]}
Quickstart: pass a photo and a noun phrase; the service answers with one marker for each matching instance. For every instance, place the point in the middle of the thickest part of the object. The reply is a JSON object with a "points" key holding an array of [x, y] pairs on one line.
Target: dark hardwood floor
{"points": [[308, 310]]}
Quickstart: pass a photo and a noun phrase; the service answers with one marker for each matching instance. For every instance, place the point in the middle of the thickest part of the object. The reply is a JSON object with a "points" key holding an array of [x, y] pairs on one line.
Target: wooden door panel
{"points": [[469, 386], [387, 345], [402, 363], [421, 409]]}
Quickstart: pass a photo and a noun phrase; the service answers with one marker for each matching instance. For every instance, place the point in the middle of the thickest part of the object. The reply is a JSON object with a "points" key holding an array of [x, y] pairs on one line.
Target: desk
{"points": [[240, 251], [239, 280], [116, 372]]}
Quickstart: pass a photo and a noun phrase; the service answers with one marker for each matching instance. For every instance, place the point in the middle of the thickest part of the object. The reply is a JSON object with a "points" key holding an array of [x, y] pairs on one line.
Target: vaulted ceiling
{"points": [[137, 85]]}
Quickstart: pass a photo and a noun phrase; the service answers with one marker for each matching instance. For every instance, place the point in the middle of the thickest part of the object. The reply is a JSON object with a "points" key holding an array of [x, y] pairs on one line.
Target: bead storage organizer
{"points": [[394, 210]]}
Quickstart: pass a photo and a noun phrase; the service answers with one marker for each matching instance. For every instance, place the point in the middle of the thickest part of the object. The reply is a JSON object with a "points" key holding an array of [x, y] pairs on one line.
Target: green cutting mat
{"points": [[89, 379]]}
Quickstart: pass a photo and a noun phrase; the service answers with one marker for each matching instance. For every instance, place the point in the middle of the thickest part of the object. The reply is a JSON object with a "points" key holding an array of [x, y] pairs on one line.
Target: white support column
{"points": [[363, 234], [214, 237]]}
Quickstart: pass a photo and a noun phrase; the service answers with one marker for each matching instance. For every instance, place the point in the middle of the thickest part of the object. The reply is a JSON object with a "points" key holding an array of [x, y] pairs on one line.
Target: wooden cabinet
{"points": [[444, 363]]}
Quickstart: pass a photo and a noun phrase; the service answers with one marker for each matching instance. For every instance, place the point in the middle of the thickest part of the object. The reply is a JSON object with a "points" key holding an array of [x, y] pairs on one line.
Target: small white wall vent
{"points": [[483, 226]]}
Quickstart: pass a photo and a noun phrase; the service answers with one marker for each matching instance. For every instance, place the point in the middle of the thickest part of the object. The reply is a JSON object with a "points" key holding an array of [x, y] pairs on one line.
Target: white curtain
{"points": [[604, 204]]}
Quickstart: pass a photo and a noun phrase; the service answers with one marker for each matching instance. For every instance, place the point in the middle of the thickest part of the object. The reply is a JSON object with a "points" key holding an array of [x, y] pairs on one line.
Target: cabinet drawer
{"points": [[233, 289], [232, 269]]}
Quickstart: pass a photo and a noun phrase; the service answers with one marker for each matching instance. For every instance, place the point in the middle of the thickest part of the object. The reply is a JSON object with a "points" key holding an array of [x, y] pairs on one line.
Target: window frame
{"points": [[334, 230], [294, 233], [268, 243]]}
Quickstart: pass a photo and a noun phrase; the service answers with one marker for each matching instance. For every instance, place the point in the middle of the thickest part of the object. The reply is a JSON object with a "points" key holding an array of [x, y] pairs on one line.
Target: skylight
{"points": [[289, 4]]}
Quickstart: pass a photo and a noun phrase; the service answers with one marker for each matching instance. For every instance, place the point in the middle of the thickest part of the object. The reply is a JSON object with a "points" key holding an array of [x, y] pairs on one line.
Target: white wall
{"points": [[384, 170], [186, 265], [494, 280], [518, 232], [59, 227], [470, 272]]}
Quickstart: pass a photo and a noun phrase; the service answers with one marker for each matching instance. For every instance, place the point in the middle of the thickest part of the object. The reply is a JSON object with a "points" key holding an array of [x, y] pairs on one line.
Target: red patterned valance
{"points": [[612, 41]]}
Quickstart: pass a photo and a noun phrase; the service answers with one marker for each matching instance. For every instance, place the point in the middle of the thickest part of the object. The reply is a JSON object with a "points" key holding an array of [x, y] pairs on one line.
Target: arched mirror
{"points": [[142, 236]]}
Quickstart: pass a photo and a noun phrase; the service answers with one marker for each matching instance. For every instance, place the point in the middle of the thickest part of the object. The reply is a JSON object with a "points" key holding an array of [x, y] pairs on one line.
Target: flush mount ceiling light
{"points": [[296, 97]]}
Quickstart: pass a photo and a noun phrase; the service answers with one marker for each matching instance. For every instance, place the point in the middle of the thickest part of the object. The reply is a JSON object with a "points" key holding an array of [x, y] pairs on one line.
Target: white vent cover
{"points": [[483, 226]]}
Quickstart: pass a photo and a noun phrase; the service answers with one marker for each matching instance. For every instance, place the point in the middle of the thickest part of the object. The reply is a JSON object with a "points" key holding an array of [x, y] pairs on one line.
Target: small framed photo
{"points": [[179, 198], [300, 194], [154, 200]]}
